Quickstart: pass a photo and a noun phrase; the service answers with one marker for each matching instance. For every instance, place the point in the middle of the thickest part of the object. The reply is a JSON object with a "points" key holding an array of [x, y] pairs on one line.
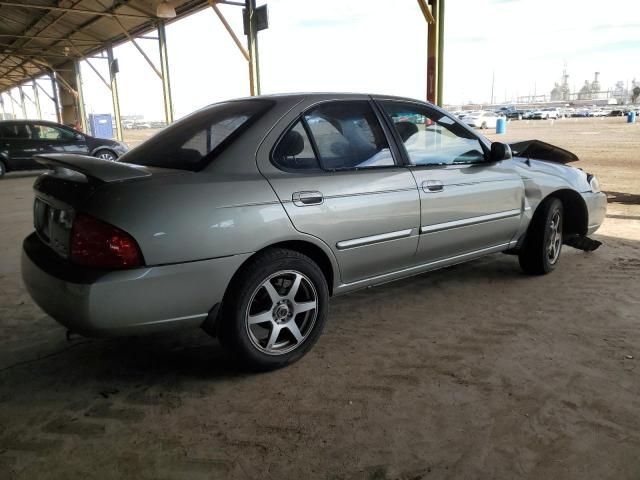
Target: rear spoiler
{"points": [[540, 150], [93, 168]]}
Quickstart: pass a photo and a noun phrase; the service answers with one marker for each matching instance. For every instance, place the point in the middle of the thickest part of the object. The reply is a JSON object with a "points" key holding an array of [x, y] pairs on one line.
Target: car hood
{"points": [[539, 150]]}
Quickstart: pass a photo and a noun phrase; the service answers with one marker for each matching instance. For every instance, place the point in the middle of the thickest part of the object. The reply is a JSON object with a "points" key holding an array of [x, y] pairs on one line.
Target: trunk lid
{"points": [[72, 179]]}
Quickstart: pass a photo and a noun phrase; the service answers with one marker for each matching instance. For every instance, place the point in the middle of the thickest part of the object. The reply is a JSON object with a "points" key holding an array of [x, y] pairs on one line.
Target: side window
{"points": [[7, 131], [15, 131], [348, 135], [431, 138], [294, 151], [48, 132]]}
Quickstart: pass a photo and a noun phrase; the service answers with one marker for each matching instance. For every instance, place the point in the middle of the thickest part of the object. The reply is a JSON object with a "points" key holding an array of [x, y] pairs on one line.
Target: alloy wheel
{"points": [[555, 238], [282, 312], [104, 155]]}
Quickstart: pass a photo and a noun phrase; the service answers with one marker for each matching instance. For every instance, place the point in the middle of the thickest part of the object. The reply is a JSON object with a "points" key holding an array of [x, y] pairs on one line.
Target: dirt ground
{"points": [[475, 371]]}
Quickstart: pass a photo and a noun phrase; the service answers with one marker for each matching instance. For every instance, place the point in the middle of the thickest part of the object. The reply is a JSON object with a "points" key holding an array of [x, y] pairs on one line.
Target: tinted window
{"points": [[191, 143], [432, 138], [294, 151], [348, 135], [15, 130], [48, 132]]}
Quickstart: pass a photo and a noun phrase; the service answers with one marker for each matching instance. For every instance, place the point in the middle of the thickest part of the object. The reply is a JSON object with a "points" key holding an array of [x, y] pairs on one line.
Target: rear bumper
{"points": [[597, 209], [124, 302]]}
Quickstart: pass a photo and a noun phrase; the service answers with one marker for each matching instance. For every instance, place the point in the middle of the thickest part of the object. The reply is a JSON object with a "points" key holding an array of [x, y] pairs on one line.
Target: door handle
{"points": [[430, 186], [302, 199]]}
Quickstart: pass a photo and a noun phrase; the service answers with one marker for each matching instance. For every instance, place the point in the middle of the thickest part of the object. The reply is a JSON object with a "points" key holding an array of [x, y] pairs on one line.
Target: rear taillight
{"points": [[97, 244]]}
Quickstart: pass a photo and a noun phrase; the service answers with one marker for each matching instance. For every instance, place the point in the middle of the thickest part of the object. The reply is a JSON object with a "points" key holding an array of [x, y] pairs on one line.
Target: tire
{"points": [[3, 169], [542, 246], [106, 155], [483, 126], [260, 325]]}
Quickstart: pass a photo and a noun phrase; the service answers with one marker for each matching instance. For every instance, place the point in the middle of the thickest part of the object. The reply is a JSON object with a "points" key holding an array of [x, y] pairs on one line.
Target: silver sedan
{"points": [[246, 216]]}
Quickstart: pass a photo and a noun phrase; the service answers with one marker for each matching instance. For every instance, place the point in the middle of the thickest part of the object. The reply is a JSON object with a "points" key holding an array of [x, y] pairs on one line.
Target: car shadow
{"points": [[192, 355], [23, 174]]}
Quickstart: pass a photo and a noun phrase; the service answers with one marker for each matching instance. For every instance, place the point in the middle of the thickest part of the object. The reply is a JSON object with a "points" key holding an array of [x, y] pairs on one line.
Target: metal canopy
{"points": [[37, 36]]}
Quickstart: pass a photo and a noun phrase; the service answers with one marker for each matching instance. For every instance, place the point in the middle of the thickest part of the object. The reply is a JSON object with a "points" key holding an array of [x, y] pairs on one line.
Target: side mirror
{"points": [[79, 136], [500, 151]]}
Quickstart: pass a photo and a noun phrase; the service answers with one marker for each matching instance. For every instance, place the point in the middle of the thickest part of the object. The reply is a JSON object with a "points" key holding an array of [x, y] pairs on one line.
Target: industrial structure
{"points": [[42, 39]]}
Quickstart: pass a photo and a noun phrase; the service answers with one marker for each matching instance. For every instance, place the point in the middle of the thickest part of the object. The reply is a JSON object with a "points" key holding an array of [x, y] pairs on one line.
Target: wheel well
{"points": [[99, 149], [312, 251], [576, 215]]}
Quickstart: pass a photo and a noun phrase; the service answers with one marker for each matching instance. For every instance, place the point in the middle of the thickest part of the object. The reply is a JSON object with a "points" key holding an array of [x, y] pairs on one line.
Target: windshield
{"points": [[194, 141]]}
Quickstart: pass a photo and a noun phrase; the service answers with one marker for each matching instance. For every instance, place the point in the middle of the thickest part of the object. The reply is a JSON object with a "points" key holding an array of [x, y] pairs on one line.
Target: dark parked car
{"points": [[510, 113], [21, 140]]}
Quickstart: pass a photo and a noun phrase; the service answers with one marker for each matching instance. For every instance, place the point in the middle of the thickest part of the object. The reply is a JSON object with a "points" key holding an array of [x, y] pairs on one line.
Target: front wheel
{"points": [[542, 246], [275, 310], [3, 169], [106, 155]]}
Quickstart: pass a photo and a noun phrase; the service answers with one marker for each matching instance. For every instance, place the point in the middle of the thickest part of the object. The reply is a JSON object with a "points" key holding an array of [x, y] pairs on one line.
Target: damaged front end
{"points": [[543, 156], [539, 150]]}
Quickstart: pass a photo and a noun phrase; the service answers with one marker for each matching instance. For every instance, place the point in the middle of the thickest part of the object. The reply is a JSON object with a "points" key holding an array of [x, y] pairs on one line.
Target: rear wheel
{"points": [[275, 310], [3, 169], [483, 126], [543, 244], [106, 155]]}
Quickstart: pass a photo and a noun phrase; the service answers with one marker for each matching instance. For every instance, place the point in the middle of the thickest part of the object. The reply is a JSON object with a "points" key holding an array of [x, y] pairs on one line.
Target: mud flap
{"points": [[582, 242]]}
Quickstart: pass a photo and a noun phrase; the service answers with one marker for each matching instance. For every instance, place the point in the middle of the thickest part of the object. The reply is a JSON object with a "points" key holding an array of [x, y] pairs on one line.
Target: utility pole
{"points": [[493, 83], [115, 98], [252, 47]]}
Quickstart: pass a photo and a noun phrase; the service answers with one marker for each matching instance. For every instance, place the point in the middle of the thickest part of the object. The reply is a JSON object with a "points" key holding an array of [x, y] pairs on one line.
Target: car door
{"points": [[57, 139], [469, 205], [18, 146], [335, 174]]}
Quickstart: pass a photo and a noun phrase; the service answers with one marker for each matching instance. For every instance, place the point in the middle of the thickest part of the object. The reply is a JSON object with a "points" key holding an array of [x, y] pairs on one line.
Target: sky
{"points": [[379, 46]]}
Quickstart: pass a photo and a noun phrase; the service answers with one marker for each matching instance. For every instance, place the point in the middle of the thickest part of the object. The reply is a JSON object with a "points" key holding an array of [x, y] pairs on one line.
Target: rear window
{"points": [[194, 141]]}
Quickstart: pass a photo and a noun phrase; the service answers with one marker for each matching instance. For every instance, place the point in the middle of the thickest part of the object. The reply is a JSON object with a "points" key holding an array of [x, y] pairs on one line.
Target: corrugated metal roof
{"points": [[38, 34]]}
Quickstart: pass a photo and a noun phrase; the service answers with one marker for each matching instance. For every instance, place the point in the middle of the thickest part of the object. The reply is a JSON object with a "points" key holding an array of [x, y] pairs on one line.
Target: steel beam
{"points": [[42, 37], [252, 47], [12, 102], [73, 10], [23, 107], [135, 44], [432, 54], [80, 96], [164, 67], [45, 92], [114, 93], [226, 25], [440, 77], [56, 99], [36, 98]]}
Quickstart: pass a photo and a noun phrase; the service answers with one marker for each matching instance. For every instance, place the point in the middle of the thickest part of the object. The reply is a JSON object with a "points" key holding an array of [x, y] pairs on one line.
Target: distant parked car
{"points": [[21, 140], [617, 113], [511, 113], [527, 114], [482, 119], [546, 113], [582, 113]]}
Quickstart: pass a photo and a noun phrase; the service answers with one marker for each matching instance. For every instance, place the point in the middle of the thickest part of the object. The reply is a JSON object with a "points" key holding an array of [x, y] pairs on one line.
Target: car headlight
{"points": [[593, 182], [121, 147]]}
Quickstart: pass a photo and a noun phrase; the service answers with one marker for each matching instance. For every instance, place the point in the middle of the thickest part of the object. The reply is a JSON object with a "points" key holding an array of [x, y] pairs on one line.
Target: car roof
{"points": [[22, 121]]}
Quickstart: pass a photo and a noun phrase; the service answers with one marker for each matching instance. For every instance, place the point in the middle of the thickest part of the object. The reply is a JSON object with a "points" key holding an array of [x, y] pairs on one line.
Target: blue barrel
{"points": [[631, 117], [501, 125], [100, 125]]}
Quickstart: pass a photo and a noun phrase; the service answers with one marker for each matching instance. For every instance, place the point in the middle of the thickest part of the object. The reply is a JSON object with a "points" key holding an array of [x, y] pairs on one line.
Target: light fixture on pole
{"points": [[166, 10]]}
